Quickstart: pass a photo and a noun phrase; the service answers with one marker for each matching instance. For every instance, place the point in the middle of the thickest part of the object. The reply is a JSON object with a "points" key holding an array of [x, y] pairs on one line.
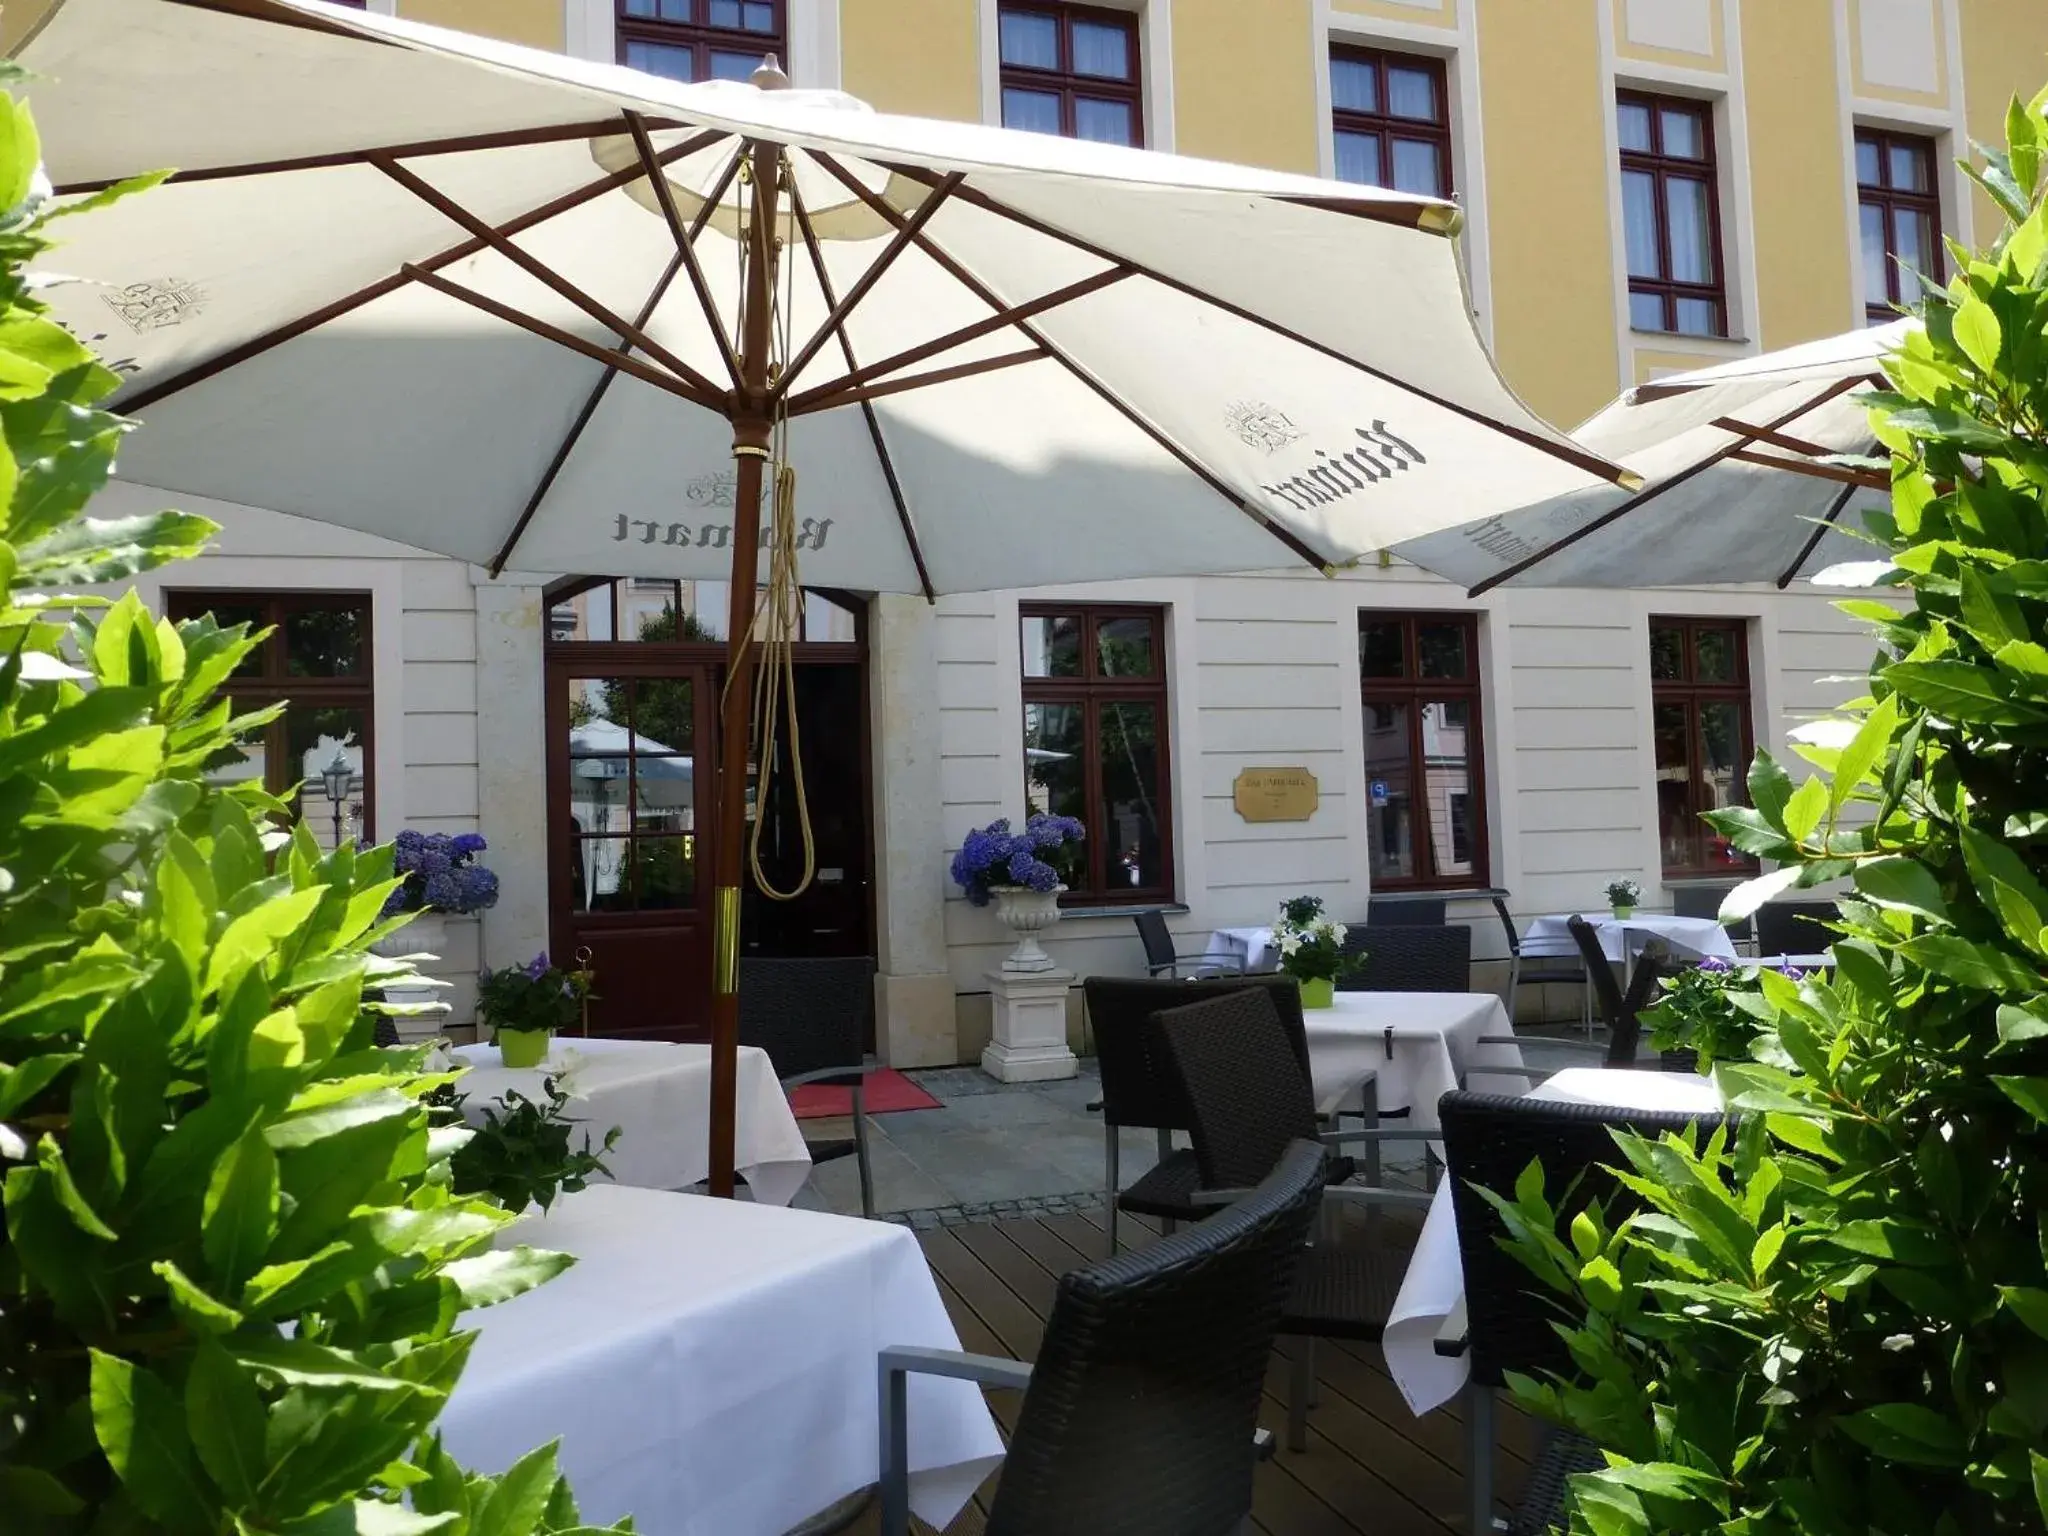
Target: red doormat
{"points": [[888, 1092]]}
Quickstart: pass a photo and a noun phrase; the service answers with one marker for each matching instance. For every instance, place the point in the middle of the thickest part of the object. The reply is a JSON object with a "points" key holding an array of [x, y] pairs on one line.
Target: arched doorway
{"points": [[633, 669]]}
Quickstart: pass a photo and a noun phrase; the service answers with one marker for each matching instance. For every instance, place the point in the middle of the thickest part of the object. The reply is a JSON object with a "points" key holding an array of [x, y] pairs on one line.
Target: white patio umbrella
{"points": [[1737, 489], [538, 313]]}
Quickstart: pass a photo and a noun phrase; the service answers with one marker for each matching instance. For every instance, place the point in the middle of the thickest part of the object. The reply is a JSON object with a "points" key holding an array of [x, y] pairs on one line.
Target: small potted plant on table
{"points": [[1019, 871], [1312, 950], [1622, 896], [526, 1004]]}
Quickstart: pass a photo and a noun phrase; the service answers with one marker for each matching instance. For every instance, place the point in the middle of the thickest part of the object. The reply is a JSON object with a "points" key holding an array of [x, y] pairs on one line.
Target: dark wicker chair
{"points": [[1160, 959], [811, 1017], [1795, 928], [1249, 1101], [1139, 1090], [1406, 911], [1621, 1010], [1488, 1141], [1141, 1414], [1404, 958], [1545, 970], [1705, 901], [384, 1029]]}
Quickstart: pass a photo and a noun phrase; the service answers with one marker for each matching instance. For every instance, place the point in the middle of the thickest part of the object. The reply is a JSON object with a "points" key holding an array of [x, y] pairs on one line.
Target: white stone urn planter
{"points": [[1027, 913]]}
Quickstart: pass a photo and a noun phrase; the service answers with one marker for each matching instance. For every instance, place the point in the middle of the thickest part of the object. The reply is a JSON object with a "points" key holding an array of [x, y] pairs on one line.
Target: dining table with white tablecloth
{"points": [[658, 1094], [709, 1365], [1623, 938], [1414, 1046], [1433, 1286]]}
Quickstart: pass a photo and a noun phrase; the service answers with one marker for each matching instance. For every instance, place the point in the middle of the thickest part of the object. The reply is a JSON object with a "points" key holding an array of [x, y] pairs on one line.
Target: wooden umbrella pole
{"points": [[751, 433]]}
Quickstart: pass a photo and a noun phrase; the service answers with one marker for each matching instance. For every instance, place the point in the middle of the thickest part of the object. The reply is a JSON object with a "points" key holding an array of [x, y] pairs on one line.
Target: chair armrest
{"points": [[1454, 1334], [1591, 1047], [1094, 1107], [1377, 1133], [843, 1077], [894, 1368], [1379, 1194], [1225, 964]]}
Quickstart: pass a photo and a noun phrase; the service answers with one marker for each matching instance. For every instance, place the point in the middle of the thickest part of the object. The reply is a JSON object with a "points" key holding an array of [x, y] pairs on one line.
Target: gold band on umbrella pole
{"points": [[725, 941]]}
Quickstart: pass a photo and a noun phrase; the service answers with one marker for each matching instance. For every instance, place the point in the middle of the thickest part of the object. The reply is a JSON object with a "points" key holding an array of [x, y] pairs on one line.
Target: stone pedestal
{"points": [[1028, 1035]]}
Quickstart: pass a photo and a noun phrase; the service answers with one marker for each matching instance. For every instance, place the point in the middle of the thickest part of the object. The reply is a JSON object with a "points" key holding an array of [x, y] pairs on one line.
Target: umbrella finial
{"points": [[769, 76]]}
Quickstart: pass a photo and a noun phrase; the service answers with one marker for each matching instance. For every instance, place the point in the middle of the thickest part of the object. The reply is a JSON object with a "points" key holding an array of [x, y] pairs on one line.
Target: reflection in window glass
{"points": [[1032, 111], [1131, 794], [1104, 122], [1382, 649], [1030, 39], [1390, 830], [1052, 645], [1425, 797], [1102, 51]]}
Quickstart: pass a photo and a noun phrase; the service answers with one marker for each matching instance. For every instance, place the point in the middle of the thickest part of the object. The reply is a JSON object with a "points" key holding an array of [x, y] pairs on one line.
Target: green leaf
{"points": [[1864, 751], [240, 1215], [1902, 884], [227, 1419], [1743, 901], [2007, 886], [139, 1425], [2039, 1465], [202, 1313], [1770, 787], [503, 1273], [373, 1517], [1971, 965], [1978, 333], [1804, 810], [297, 1363], [107, 196], [20, 153], [2029, 1304], [516, 1505], [254, 935], [1909, 1433], [2030, 1093], [2021, 1022], [1962, 691]]}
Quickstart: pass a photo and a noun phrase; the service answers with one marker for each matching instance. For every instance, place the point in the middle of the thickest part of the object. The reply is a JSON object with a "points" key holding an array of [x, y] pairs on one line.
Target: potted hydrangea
{"points": [[1011, 869], [1312, 949], [440, 875], [526, 1004]]}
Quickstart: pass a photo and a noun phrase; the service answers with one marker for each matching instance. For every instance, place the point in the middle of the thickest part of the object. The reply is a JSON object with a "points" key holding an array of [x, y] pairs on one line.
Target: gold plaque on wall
{"points": [[1276, 794]]}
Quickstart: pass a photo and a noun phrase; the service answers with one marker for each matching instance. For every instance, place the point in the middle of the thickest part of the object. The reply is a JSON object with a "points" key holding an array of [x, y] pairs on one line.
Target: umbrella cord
{"points": [[775, 679]]}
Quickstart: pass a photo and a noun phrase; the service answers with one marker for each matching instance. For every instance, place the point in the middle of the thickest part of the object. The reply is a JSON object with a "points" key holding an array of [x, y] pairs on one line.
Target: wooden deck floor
{"points": [[1372, 1468]]}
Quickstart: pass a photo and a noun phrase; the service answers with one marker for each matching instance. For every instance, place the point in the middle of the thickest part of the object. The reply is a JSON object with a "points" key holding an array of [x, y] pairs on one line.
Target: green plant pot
{"points": [[524, 1047], [1318, 992], [1623, 914]]}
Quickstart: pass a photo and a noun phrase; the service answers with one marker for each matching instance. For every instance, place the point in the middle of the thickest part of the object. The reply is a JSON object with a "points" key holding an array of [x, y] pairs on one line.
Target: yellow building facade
{"points": [[1536, 139]]}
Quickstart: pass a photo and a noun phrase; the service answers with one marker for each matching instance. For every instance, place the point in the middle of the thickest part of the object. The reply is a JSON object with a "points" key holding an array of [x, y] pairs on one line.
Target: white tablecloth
{"points": [[659, 1095], [1434, 1045], [1249, 949], [1621, 940], [1435, 1280], [709, 1365]]}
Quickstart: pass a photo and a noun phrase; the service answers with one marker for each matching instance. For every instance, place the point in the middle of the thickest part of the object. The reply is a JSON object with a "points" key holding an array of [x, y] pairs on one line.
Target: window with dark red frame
{"points": [[1671, 216], [1391, 118], [317, 663], [694, 40], [1072, 70], [1096, 745], [1700, 718], [1899, 211], [1425, 769]]}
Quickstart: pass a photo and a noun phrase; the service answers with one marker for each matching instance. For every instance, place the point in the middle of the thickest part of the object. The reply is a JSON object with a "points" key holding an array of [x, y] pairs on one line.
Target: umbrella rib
{"points": [[907, 231], [576, 428], [974, 285], [256, 346], [1783, 440], [869, 392], [883, 457], [509, 138], [1869, 479], [659, 378], [532, 265], [1835, 510], [1652, 493], [685, 238], [851, 382], [1578, 458]]}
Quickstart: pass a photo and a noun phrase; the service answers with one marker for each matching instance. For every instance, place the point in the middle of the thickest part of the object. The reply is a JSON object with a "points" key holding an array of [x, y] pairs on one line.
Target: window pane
{"points": [[1105, 122], [317, 739], [1052, 645], [1030, 39], [1633, 119], [1417, 168], [1132, 847], [325, 642], [757, 16], [1354, 85], [1054, 761], [1103, 51], [1909, 168], [661, 59], [1676, 819], [599, 879], [1442, 651], [1124, 648], [1034, 111], [1447, 762], [1714, 656], [1915, 234], [1683, 136], [727, 65], [1692, 235], [1639, 220], [639, 7], [1390, 829], [1699, 317], [1876, 260], [1382, 648], [724, 13], [1721, 774], [664, 873], [1646, 312], [1869, 163], [1667, 655], [1358, 158], [1411, 93]]}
